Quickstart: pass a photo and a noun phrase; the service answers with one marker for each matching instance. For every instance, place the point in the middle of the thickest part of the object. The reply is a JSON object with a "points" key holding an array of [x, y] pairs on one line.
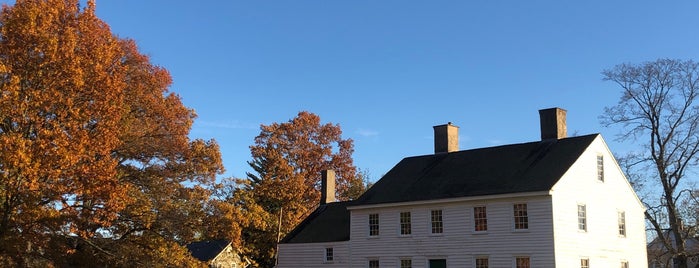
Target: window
{"points": [[480, 219], [406, 263], [584, 263], [373, 263], [600, 168], [522, 262], [521, 218], [624, 264], [329, 254], [437, 225], [582, 218], [621, 218], [405, 223], [481, 262], [373, 224]]}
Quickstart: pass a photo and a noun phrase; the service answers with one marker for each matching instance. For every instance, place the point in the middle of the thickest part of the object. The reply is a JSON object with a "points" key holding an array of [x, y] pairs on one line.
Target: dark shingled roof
{"points": [[329, 222], [516, 168], [207, 250]]}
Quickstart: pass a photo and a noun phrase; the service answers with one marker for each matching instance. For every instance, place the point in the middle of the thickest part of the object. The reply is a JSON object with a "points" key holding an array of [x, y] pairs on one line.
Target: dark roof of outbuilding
{"points": [[207, 250], [516, 168], [329, 222]]}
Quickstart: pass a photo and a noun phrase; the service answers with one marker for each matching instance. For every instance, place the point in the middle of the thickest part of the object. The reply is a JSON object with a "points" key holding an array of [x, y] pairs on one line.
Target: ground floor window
{"points": [[585, 263], [481, 262], [406, 263], [373, 263], [522, 262]]}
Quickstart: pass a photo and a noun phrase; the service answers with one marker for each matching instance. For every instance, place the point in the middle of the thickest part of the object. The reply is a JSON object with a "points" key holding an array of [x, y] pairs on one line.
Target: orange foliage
{"points": [[95, 163], [288, 159]]}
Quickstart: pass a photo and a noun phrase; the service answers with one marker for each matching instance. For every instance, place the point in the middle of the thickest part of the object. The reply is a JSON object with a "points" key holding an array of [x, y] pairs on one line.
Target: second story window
{"points": [[405, 228], [520, 217], [480, 219], [621, 219], [374, 264], [373, 224], [582, 218], [437, 225], [600, 168]]}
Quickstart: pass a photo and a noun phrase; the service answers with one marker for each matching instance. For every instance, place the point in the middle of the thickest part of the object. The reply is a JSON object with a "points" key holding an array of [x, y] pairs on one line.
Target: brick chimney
{"points": [[553, 123], [327, 191], [446, 138]]}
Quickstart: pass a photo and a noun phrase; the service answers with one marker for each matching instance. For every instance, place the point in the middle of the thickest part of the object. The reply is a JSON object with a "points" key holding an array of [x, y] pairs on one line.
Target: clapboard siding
{"points": [[459, 244], [313, 254], [601, 243]]}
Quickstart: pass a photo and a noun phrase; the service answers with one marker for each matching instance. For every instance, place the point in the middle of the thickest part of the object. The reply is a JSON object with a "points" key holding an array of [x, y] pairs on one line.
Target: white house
{"points": [[558, 202]]}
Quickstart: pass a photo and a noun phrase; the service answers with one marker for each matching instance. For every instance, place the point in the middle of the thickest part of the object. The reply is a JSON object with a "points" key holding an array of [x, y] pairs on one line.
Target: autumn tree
{"points": [[659, 109], [287, 162], [96, 167]]}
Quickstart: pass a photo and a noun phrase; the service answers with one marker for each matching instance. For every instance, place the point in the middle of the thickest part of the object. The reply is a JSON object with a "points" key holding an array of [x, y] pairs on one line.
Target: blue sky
{"points": [[387, 71]]}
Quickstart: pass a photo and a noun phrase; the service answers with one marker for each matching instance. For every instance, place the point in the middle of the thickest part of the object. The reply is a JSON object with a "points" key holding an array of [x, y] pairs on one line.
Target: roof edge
{"points": [[452, 200]]}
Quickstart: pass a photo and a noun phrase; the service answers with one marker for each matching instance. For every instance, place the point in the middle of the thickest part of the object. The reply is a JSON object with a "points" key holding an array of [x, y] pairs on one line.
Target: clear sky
{"points": [[387, 71]]}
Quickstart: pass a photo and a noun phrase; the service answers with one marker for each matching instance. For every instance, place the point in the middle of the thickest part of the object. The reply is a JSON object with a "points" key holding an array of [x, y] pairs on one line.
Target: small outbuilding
{"points": [[217, 254]]}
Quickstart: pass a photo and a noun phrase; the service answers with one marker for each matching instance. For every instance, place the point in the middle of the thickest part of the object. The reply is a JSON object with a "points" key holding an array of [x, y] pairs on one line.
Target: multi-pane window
{"points": [[406, 263], [600, 168], [480, 219], [481, 262], [373, 263], [624, 264], [520, 216], [437, 224], [582, 218], [584, 263], [405, 228], [373, 224], [329, 254], [522, 262], [621, 219]]}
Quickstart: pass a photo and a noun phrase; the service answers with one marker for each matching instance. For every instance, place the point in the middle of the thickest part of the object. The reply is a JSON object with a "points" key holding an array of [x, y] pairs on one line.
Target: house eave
{"points": [[452, 200]]}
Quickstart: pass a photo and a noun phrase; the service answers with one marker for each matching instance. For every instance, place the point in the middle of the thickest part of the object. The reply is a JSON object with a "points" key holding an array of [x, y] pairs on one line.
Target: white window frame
{"points": [[329, 252], [405, 225], [600, 168], [582, 218], [624, 264], [401, 263], [476, 219], [378, 263], [584, 262], [436, 221], [524, 225], [372, 224], [621, 223], [515, 261], [481, 257]]}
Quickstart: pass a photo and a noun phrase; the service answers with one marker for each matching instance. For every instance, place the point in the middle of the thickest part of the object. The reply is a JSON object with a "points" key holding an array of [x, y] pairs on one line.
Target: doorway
{"points": [[438, 263]]}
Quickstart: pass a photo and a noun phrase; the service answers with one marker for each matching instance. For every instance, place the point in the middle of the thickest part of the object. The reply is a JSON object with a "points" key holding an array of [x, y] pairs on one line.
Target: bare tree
{"points": [[659, 109]]}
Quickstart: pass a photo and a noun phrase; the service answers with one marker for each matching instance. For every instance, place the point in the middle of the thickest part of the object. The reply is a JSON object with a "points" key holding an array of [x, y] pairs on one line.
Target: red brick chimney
{"points": [[553, 123], [327, 191], [446, 138]]}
